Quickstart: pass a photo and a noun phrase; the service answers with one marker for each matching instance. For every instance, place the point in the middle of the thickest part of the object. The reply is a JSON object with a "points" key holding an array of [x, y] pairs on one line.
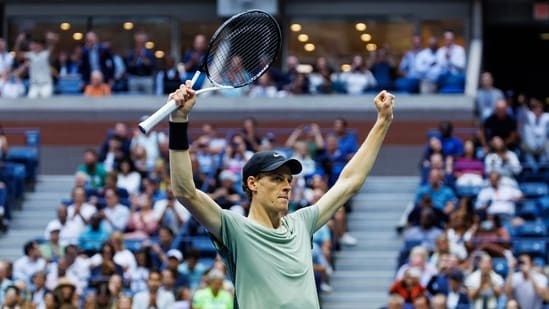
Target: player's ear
{"points": [[252, 183]]}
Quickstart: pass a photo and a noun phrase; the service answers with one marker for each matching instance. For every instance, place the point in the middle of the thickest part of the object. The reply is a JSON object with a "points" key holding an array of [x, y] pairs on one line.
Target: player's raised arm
{"points": [[202, 207], [354, 174]]}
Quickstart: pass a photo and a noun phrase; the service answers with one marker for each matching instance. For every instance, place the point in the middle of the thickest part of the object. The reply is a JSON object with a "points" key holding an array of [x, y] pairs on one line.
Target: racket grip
{"points": [[163, 112], [146, 125]]}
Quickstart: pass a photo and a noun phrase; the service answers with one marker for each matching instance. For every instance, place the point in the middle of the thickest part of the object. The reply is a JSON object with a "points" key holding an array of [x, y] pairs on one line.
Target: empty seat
{"points": [[534, 189], [500, 266], [531, 229], [533, 246]]}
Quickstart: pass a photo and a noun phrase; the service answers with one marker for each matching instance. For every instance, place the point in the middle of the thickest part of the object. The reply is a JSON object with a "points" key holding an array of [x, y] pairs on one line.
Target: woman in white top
{"points": [[128, 177]]}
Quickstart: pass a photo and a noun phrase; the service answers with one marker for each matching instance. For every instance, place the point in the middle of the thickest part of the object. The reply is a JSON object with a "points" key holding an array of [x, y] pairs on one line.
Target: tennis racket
{"points": [[239, 52]]}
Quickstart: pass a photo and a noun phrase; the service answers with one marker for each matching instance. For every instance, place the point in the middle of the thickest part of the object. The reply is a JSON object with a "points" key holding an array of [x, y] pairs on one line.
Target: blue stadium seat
{"points": [[204, 245], [533, 246], [535, 229], [133, 244], [70, 84], [500, 266], [534, 189], [528, 209]]}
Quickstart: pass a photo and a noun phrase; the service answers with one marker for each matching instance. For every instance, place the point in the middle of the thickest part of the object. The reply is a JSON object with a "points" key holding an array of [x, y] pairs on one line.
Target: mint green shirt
{"points": [[271, 268], [205, 299]]}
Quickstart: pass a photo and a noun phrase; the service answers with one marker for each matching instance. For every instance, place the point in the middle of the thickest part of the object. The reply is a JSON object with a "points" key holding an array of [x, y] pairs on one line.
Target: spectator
{"points": [[502, 161], [438, 301], [128, 178], [428, 68], [408, 70], [138, 278], [175, 257], [264, 87], [236, 154], [38, 288], [311, 135], [193, 268], [52, 250], [122, 256], [140, 63], [484, 285], [497, 198], [213, 294], [383, 69], [533, 133], [358, 79], [115, 215], [41, 81], [93, 168], [51, 301], [442, 195], [528, 285], [120, 132], [468, 169], [95, 234], [79, 213], [457, 297], [227, 195], [170, 76], [487, 96], [426, 202], [30, 263], [499, 124], [418, 259], [295, 80], [452, 146], [97, 86], [193, 57], [426, 232], [96, 56], [142, 223], [106, 266], [491, 237], [409, 287], [150, 142], [460, 230], [12, 295], [153, 296], [322, 79], [171, 213], [4, 281], [66, 291], [444, 246], [395, 302], [451, 58], [6, 59]]}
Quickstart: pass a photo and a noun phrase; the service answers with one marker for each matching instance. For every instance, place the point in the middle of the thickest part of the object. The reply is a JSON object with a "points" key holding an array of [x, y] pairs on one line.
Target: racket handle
{"points": [[146, 125]]}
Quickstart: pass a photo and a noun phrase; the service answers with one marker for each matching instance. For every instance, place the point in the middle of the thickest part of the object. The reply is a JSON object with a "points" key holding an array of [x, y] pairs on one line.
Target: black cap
{"points": [[268, 161]]}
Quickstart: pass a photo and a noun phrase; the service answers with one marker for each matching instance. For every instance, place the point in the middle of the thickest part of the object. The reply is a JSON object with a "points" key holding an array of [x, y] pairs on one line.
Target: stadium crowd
{"points": [[39, 67], [121, 240], [475, 235]]}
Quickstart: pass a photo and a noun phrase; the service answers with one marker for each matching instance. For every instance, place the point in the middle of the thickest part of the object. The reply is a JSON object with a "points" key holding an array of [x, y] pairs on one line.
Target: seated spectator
{"points": [[151, 142], [138, 278], [153, 296], [383, 69], [497, 198], [442, 195], [499, 124], [294, 81], [426, 202], [534, 134], [120, 132], [227, 195], [409, 287], [264, 88], [122, 256], [50, 301], [66, 293], [486, 98], [170, 212], [451, 58], [213, 293], [114, 215], [236, 154], [94, 235], [38, 288], [97, 86], [32, 262], [426, 232], [460, 231], [142, 223], [105, 267], [347, 139], [444, 246], [468, 169], [484, 285], [491, 237], [434, 146], [457, 297], [311, 135], [526, 283], [113, 154], [452, 146], [418, 259], [395, 302], [193, 268], [52, 250], [175, 257], [439, 282], [502, 161], [79, 212], [93, 168], [358, 79], [322, 80], [140, 63], [5, 281], [128, 178]]}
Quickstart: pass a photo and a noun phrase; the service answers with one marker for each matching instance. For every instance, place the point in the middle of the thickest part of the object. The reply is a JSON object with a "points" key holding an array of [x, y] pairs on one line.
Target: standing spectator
{"points": [[500, 124], [41, 81], [97, 86], [383, 69], [534, 133], [31, 262], [193, 57], [169, 77], [409, 80], [428, 67], [153, 297], [451, 58], [487, 96], [213, 295], [96, 56], [528, 285], [484, 285], [140, 66]]}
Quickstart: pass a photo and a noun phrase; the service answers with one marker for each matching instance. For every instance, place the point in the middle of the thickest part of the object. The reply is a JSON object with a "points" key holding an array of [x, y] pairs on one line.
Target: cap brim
{"points": [[293, 164]]}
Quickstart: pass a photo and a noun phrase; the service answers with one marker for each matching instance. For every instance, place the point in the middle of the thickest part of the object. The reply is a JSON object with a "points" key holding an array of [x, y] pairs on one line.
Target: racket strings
{"points": [[243, 50]]}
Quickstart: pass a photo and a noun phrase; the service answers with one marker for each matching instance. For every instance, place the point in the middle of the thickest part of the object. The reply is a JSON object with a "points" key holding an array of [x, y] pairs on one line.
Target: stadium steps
{"points": [[365, 272], [39, 207]]}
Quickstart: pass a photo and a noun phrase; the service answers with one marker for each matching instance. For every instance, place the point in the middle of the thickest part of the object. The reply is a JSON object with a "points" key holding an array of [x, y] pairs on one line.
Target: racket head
{"points": [[242, 49]]}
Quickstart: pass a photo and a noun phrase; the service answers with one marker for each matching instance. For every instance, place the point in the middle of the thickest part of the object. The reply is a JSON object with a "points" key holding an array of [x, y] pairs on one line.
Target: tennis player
{"points": [[268, 253]]}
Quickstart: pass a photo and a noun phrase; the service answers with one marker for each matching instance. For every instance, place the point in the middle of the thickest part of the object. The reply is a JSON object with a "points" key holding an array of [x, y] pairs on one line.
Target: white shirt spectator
{"points": [[507, 169], [427, 66], [24, 268], [473, 282], [357, 81], [523, 290], [150, 142], [117, 217], [502, 200], [130, 182], [455, 62], [75, 222], [163, 300]]}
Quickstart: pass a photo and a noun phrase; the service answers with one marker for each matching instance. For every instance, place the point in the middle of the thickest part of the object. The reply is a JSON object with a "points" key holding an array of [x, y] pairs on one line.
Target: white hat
{"points": [[227, 175], [53, 226], [175, 253]]}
